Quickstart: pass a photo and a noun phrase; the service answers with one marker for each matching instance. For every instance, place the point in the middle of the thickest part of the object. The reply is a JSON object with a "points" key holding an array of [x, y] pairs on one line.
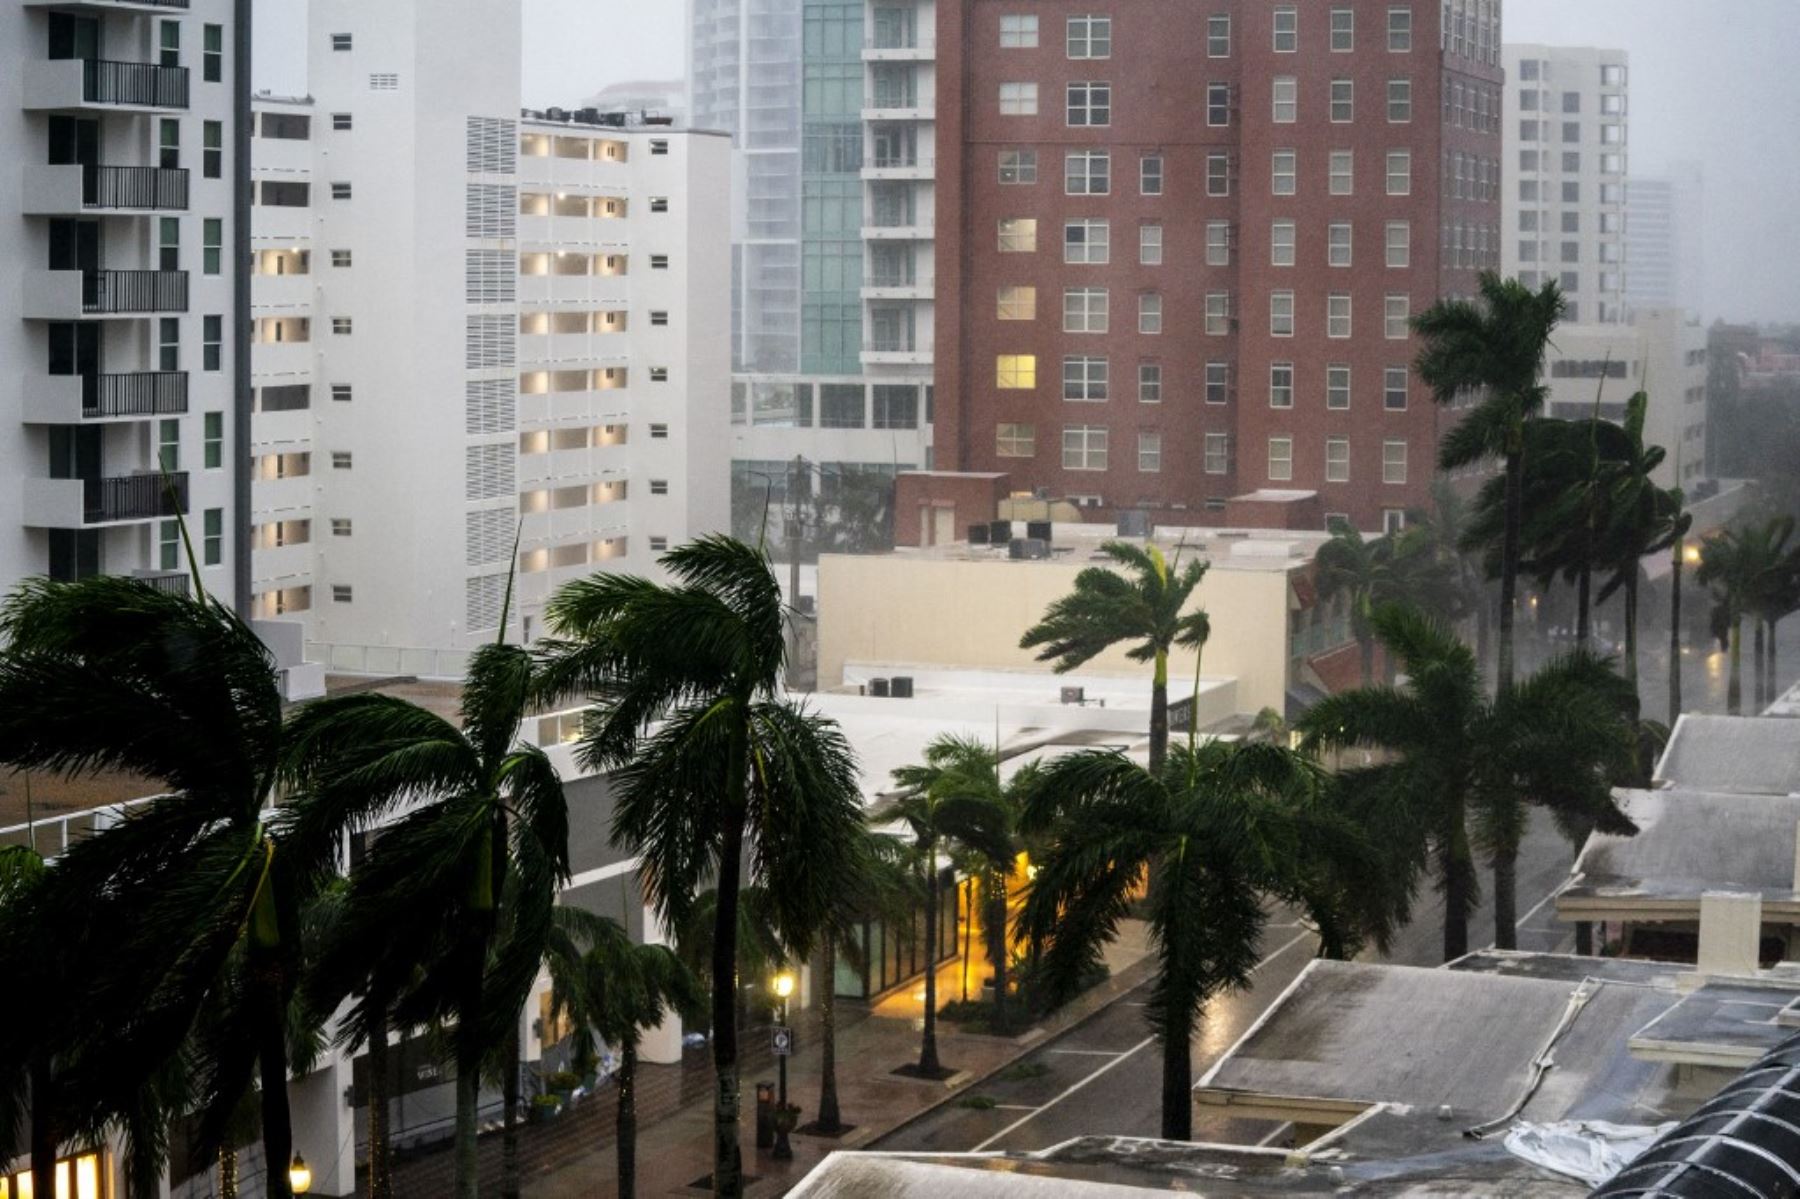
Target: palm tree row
{"points": [[1753, 571]]}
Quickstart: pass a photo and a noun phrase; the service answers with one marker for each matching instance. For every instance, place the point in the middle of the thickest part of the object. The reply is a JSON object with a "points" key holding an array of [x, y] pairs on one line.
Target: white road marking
{"points": [[1092, 1052]]}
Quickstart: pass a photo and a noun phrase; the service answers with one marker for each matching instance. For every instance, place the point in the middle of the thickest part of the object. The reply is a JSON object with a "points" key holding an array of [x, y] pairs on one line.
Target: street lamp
{"points": [[299, 1176], [784, 989]]}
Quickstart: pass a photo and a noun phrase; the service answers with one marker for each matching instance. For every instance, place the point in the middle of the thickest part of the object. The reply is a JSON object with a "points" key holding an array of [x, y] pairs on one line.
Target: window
{"points": [[1393, 520], [1218, 104], [1089, 104], [340, 191], [1337, 459], [1399, 93], [659, 203], [1018, 235], [340, 460], [1571, 132], [1343, 30], [340, 526], [168, 445], [212, 53], [659, 487], [1150, 175], [1018, 99], [1218, 174], [1281, 243], [212, 149], [170, 43], [1337, 314], [1087, 173], [1286, 97], [1087, 242], [212, 342], [659, 262], [1218, 243], [212, 536], [659, 432], [169, 249], [1612, 76], [168, 538], [340, 326], [1084, 447], [1281, 459], [1084, 379], [1396, 314], [1084, 310], [1343, 96], [1287, 30], [340, 42], [1018, 166], [1337, 244], [1571, 191], [1393, 389], [1571, 222], [1015, 441], [1149, 452], [212, 244], [1150, 312], [1218, 37], [1337, 387], [1399, 30], [168, 344], [1343, 172], [1149, 383], [1218, 313], [341, 393], [341, 121], [1393, 462], [340, 258], [1218, 453], [659, 374], [1018, 32], [658, 544], [169, 143], [340, 593], [1218, 382], [1090, 37], [659, 318], [659, 146], [1281, 314], [1399, 243], [1399, 173], [1281, 385], [1015, 372], [1150, 245], [1017, 303]]}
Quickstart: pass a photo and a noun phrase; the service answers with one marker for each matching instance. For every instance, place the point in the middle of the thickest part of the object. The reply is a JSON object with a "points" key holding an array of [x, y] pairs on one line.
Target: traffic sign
{"points": [[781, 1040]]}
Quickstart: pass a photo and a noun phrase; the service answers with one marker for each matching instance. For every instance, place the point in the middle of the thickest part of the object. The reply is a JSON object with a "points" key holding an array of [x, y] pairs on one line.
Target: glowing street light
{"points": [[299, 1176]]}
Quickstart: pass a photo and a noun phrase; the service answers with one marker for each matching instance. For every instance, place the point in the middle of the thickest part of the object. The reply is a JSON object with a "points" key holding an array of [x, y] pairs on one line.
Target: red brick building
{"points": [[1178, 242]]}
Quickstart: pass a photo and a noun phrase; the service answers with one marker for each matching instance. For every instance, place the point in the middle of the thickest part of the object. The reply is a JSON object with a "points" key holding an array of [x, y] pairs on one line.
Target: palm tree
{"points": [[191, 903], [1641, 519], [606, 986], [1495, 348], [1220, 830], [1142, 605], [732, 776], [1745, 567], [952, 798], [1445, 528], [471, 870], [1680, 522], [1369, 573], [1460, 760]]}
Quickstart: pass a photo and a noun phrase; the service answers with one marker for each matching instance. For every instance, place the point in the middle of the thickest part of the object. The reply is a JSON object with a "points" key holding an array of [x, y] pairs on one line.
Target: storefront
{"points": [[882, 958]]}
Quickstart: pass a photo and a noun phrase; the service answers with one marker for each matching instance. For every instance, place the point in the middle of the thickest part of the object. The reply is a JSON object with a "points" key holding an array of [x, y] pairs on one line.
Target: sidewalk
{"points": [[675, 1150]]}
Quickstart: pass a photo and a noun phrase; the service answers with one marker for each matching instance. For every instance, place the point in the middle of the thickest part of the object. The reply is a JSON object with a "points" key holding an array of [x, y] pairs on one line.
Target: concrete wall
{"points": [[949, 612]]}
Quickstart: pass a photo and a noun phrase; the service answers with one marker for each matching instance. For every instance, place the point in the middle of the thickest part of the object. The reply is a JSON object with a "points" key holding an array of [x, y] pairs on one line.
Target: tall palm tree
{"points": [[1494, 349], [1445, 528], [1142, 603], [473, 846], [731, 777], [950, 798], [1221, 829], [1460, 760], [1640, 519], [1744, 566], [1375, 571], [191, 903], [610, 988], [1681, 522]]}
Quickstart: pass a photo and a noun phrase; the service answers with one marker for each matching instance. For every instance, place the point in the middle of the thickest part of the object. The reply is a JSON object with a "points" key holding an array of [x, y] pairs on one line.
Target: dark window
{"points": [[212, 54], [284, 194], [286, 126], [896, 407]]}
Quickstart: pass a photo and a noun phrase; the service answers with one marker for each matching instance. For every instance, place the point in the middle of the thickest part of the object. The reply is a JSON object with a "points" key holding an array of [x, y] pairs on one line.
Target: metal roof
{"points": [[1746, 755], [1689, 842]]}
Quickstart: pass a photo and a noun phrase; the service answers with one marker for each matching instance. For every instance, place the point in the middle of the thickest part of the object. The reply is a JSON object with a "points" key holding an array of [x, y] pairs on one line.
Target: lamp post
{"points": [[784, 1116], [299, 1176]]}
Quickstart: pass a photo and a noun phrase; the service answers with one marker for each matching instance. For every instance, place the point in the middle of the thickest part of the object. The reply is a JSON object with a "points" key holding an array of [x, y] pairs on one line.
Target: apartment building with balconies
{"points": [[117, 328], [1181, 246]]}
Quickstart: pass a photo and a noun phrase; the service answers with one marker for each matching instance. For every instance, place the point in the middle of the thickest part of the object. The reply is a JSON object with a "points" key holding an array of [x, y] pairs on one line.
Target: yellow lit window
{"points": [[1015, 372], [1018, 303]]}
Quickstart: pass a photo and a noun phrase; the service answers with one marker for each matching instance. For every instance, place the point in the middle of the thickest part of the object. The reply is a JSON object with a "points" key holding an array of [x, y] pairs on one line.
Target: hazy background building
{"points": [[1665, 217]]}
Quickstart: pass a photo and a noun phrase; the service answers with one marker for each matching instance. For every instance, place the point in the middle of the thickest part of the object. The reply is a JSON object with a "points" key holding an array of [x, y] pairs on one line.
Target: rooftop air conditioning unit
{"points": [[1027, 548], [999, 531], [556, 114], [1040, 529], [902, 686], [978, 534], [588, 116], [878, 687], [1074, 695], [1134, 522]]}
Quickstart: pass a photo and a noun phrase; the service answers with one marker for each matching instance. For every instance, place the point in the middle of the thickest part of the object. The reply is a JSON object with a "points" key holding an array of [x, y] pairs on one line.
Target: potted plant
{"points": [[544, 1107], [784, 1119]]}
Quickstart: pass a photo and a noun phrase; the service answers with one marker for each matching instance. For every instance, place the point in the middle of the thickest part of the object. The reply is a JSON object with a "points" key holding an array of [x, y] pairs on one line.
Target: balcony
{"points": [[169, 582], [281, 291], [286, 564], [897, 166], [286, 497], [71, 399], [895, 285], [76, 503], [70, 295], [907, 46], [894, 351], [100, 83], [111, 5], [895, 106], [77, 190], [899, 229]]}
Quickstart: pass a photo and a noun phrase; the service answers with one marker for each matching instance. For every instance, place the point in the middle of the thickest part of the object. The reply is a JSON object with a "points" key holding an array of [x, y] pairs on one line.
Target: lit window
{"points": [[1015, 441], [1282, 172], [1281, 459], [1337, 387], [1337, 244], [1337, 459], [1089, 37], [1149, 452], [1286, 97], [1281, 314], [1018, 235], [1018, 303], [1085, 310], [1018, 32], [1337, 315], [1150, 245], [1281, 385], [1015, 372], [1018, 99], [1393, 462], [1281, 243], [1087, 242]]}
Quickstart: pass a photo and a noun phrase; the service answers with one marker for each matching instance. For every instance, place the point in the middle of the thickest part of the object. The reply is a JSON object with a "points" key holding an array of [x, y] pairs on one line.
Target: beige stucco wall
{"points": [[943, 612]]}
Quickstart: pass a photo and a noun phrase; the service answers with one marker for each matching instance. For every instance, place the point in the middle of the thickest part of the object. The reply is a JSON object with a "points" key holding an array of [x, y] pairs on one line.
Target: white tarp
{"points": [[1591, 1150]]}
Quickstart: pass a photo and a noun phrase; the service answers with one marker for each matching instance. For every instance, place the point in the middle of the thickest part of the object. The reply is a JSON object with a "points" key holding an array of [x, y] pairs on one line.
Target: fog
{"points": [[1712, 82]]}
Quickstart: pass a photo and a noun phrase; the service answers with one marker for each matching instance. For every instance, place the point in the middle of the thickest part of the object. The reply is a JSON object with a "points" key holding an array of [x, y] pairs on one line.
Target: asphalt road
{"points": [[1103, 1077]]}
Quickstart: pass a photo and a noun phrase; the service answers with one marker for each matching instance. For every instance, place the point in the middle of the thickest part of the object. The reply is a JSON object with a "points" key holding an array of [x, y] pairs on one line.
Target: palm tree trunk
{"points": [[1459, 886], [627, 1120], [1159, 713], [999, 949], [43, 1125], [728, 1162], [1367, 646], [1483, 618], [1584, 619], [1774, 678], [1675, 635], [830, 1119], [1631, 644], [968, 924], [277, 1131], [1509, 565], [1177, 1086], [468, 1082], [381, 1174], [509, 1134], [228, 1171], [1506, 897], [1759, 674], [928, 1054], [1734, 683]]}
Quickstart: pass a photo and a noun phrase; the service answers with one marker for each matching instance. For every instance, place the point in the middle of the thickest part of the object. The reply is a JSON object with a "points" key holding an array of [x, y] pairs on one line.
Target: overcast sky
{"points": [[1713, 82]]}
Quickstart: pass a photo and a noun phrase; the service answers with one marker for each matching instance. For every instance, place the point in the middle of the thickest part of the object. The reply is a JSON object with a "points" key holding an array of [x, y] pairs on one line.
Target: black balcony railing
{"points": [[134, 291], [134, 187], [134, 497], [169, 582], [142, 393], [105, 81]]}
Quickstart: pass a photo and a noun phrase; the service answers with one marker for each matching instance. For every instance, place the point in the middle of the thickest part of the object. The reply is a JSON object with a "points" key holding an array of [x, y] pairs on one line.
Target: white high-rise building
{"points": [[473, 328], [118, 326], [1566, 162], [1664, 219]]}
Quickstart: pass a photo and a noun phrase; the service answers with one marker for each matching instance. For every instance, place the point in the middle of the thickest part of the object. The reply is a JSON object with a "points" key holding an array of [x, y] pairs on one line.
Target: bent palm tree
{"points": [[1143, 605], [1222, 828], [1372, 572]]}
